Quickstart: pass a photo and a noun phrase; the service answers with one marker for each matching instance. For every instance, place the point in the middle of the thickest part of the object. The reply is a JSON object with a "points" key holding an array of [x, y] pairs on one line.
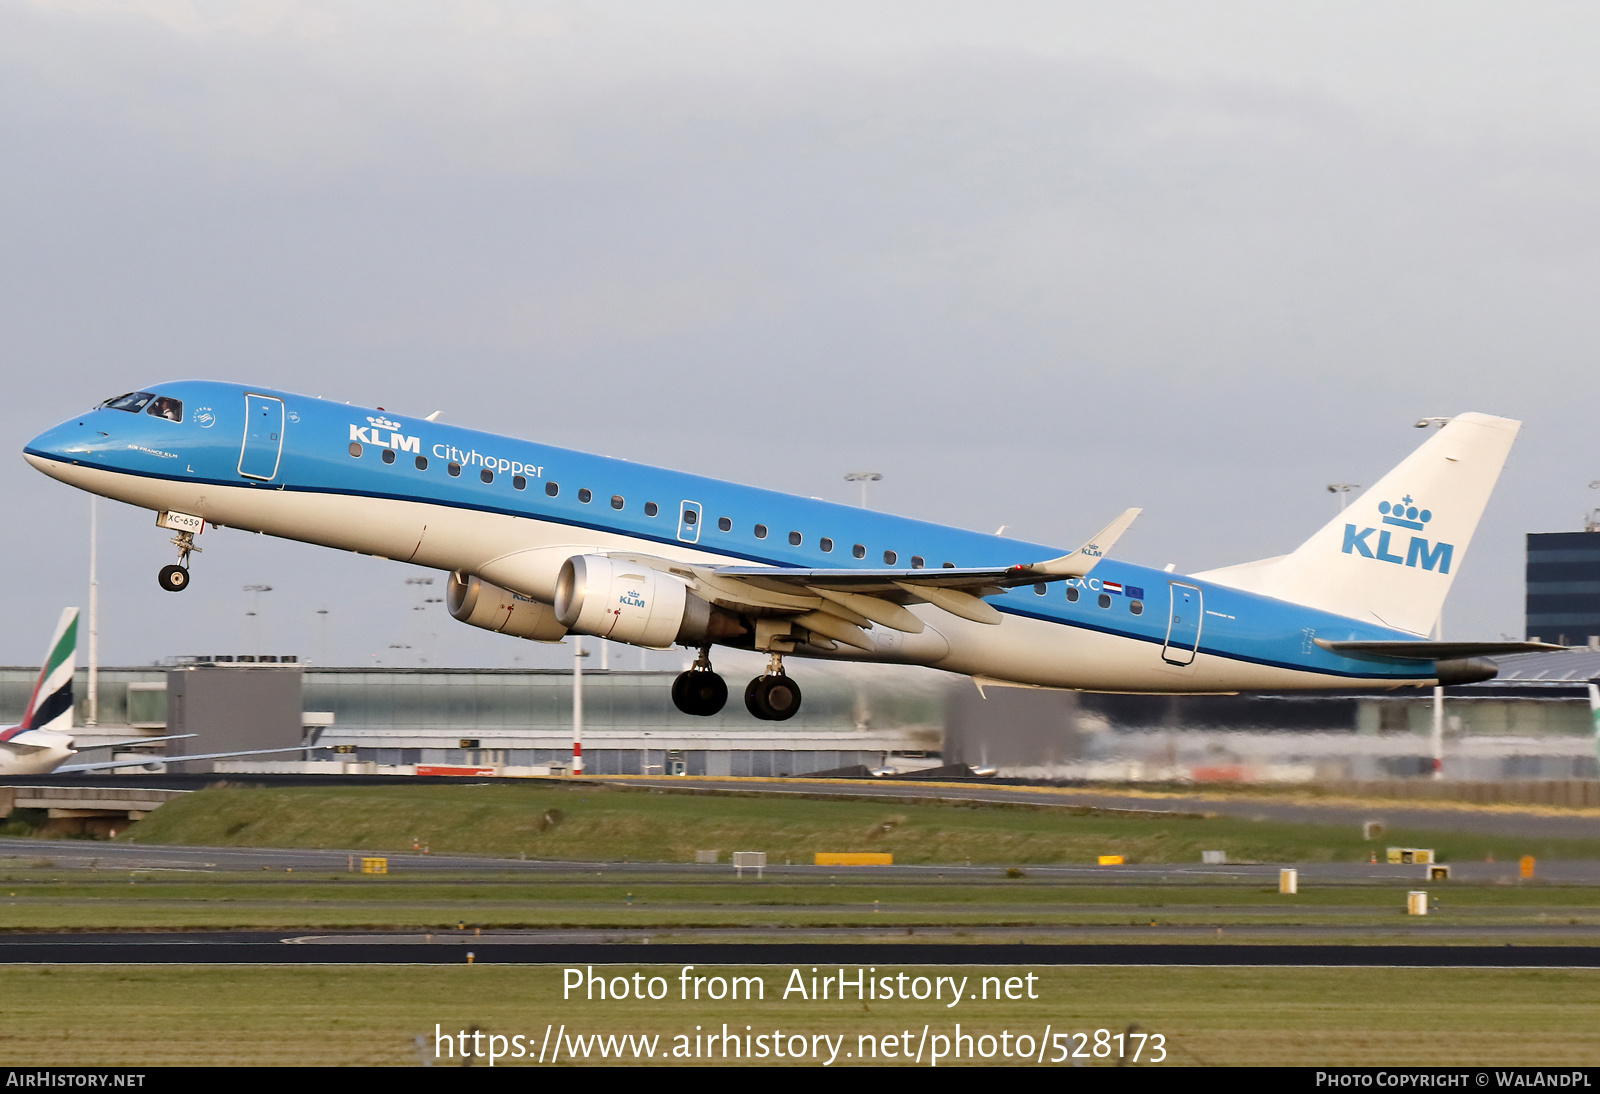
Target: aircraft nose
{"points": [[71, 439]]}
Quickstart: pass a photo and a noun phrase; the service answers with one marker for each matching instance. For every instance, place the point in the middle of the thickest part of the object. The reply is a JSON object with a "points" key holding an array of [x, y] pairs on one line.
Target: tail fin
{"points": [[50, 707], [1391, 555]]}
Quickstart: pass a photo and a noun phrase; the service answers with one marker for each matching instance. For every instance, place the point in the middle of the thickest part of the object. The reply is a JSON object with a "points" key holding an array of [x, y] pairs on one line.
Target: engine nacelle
{"points": [[477, 603], [627, 602]]}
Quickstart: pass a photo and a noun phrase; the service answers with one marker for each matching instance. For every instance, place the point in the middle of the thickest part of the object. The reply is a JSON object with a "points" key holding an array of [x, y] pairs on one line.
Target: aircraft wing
{"points": [[108, 765], [138, 741], [838, 603], [1436, 651]]}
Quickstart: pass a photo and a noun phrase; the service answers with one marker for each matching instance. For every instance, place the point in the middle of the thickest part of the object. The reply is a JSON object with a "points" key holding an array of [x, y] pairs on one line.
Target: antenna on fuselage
{"points": [[434, 416]]}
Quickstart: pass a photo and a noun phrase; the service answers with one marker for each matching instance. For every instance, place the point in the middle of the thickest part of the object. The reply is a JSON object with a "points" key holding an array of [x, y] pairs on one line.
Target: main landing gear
{"points": [[175, 579], [773, 697], [699, 691]]}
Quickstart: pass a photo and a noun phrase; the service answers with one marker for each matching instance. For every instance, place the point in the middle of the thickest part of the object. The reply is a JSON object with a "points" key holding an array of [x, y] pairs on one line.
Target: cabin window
{"points": [[355, 449], [724, 524], [917, 563], [519, 482], [1105, 600], [889, 558], [454, 469], [388, 455], [859, 551], [948, 565], [795, 538], [133, 402], [651, 509], [584, 495], [1072, 594], [552, 488], [616, 501], [422, 463], [164, 407], [486, 475], [1136, 607], [761, 531], [826, 544], [690, 517], [1041, 588]]}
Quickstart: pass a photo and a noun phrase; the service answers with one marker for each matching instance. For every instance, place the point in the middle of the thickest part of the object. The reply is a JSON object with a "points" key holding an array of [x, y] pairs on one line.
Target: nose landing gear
{"points": [[773, 697], [175, 579], [700, 691]]}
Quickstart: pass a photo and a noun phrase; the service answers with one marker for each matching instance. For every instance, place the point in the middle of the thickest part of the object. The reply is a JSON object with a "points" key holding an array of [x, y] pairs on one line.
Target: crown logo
{"points": [[383, 423], [1404, 513]]}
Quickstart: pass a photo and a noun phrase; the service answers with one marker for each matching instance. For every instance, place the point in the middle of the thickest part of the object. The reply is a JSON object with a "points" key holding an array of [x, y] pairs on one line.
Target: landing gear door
{"points": [[689, 522], [263, 437], [1183, 624]]}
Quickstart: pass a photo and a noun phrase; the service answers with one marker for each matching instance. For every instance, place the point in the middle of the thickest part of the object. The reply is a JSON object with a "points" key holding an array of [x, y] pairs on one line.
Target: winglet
{"points": [[1084, 559]]}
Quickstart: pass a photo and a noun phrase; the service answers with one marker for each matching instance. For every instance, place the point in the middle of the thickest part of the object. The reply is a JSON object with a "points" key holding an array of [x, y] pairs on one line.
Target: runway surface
{"points": [[261, 948]]}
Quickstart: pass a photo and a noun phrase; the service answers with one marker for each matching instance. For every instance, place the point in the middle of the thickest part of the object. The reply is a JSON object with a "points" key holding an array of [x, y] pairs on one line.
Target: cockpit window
{"points": [[170, 409], [133, 402]]}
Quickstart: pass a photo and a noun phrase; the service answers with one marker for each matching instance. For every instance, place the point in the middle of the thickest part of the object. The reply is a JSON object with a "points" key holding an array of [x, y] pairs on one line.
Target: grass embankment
{"points": [[132, 1016], [612, 823]]}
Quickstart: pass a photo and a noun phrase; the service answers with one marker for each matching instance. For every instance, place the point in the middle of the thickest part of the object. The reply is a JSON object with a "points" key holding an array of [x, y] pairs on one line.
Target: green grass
{"points": [[613, 823], [42, 897], [135, 1016]]}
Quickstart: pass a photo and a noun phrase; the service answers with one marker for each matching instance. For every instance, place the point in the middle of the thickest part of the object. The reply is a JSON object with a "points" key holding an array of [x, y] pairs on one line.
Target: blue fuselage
{"points": [[442, 496]]}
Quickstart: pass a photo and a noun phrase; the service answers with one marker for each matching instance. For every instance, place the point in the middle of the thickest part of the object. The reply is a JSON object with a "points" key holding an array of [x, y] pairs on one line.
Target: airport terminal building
{"points": [[1531, 722], [512, 720]]}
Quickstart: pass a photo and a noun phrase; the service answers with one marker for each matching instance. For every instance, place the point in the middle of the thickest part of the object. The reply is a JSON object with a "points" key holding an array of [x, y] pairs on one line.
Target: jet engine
{"points": [[627, 602], [477, 603]]}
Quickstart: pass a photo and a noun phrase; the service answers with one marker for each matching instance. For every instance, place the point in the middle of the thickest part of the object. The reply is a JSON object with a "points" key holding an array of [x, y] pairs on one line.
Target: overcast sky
{"points": [[1033, 262]]}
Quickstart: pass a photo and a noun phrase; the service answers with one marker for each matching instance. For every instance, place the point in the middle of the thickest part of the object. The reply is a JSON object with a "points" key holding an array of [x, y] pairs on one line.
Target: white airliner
{"points": [[541, 542], [43, 741]]}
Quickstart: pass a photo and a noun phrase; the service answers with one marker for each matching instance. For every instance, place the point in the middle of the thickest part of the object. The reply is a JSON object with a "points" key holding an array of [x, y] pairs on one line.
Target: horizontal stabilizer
{"points": [[1437, 651]]}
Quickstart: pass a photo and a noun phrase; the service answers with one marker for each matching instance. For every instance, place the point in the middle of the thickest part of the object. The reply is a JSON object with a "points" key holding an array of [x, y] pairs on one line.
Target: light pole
{"points": [[863, 477], [1343, 490], [255, 604], [322, 653], [1438, 636], [578, 655], [94, 614], [422, 582]]}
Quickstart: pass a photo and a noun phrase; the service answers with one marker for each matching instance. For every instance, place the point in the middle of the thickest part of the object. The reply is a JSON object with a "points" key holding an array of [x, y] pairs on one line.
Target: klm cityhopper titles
{"points": [[542, 542]]}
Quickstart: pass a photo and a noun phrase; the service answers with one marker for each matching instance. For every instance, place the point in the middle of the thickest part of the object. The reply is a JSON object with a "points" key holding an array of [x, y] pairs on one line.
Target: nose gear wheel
{"points": [[175, 579]]}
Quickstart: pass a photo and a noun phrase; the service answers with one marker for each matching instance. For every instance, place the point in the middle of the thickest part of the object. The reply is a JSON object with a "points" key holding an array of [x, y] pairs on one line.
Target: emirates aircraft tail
{"points": [[50, 706]]}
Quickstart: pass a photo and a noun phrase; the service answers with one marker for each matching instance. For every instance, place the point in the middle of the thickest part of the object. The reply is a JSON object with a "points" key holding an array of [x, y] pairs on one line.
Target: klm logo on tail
{"points": [[1419, 552]]}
